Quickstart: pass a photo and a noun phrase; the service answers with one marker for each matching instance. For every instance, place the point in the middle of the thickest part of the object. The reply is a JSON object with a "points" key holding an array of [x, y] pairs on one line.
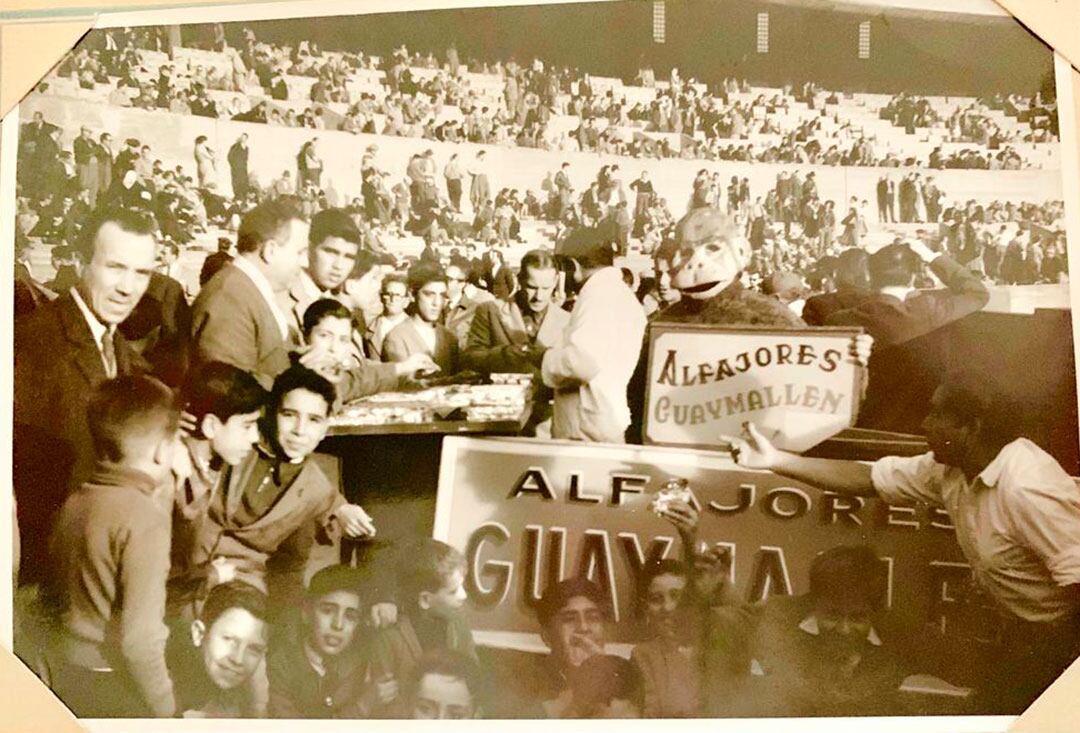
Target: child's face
{"points": [[233, 439], [662, 603], [334, 336], [450, 598], [442, 697], [332, 622], [301, 422]]}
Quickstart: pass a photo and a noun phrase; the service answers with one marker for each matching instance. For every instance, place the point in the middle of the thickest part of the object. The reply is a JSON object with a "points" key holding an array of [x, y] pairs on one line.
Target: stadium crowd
{"points": [[171, 495], [415, 95]]}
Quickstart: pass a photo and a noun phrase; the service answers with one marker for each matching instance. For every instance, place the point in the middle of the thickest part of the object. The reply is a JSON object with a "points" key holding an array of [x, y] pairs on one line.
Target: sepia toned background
{"points": [[35, 33]]}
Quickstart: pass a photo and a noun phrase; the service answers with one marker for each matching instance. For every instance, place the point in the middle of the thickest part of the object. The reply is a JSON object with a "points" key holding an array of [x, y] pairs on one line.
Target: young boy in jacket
{"points": [[225, 403], [110, 546], [319, 667]]}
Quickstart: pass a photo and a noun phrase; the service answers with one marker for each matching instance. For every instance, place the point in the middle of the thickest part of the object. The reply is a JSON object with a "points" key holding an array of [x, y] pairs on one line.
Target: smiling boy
{"points": [[282, 498]]}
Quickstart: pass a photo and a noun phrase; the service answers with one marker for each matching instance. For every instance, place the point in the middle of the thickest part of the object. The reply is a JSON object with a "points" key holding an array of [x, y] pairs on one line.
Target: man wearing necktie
{"points": [[63, 350]]}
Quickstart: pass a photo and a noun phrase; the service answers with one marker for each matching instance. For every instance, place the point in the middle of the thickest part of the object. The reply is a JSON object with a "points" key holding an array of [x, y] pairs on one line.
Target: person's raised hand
{"points": [[683, 515], [752, 450]]}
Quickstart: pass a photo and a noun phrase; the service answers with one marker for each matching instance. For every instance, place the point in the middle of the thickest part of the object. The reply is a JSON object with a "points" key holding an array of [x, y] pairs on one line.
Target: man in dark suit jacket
{"points": [[159, 328], [511, 335], [910, 350], [63, 350], [238, 167], [851, 276]]}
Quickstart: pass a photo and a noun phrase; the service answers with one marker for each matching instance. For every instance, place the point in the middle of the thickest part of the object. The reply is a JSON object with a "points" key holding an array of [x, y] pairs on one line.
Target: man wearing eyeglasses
{"points": [[395, 297]]}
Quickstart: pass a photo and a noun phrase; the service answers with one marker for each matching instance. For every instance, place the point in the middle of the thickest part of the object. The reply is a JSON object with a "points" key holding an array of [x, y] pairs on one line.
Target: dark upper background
{"points": [[916, 51]]}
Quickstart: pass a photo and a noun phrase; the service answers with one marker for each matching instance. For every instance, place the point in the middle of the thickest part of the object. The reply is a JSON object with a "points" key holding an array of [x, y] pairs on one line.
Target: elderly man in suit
{"points": [[422, 332], [63, 350]]}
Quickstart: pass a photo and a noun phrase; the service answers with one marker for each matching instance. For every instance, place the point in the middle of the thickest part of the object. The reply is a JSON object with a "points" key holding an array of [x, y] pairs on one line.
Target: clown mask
{"points": [[710, 254]]}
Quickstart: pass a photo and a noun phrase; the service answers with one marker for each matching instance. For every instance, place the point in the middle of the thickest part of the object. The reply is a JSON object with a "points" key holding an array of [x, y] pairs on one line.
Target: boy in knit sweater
{"points": [[110, 547]]}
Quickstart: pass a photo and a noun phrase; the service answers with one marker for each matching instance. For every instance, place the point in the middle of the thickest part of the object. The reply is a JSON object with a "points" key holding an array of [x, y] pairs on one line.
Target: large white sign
{"points": [[798, 386]]}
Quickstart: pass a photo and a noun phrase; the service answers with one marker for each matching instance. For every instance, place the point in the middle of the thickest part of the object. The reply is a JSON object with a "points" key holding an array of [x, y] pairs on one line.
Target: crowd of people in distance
{"points": [[685, 119]]}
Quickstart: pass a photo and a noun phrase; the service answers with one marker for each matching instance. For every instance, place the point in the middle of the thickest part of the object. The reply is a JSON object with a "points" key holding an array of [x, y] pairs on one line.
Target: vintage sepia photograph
{"points": [[623, 359]]}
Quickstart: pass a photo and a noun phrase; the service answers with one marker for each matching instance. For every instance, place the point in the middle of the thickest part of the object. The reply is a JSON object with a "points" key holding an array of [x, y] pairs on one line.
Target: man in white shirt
{"points": [[590, 367], [1017, 518], [64, 349]]}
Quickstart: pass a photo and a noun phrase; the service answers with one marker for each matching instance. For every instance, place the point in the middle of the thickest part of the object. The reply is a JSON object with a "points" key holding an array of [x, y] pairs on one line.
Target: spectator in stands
{"points": [[422, 332], [111, 652], [205, 164], [215, 662], [480, 190], [309, 165], [238, 167]]}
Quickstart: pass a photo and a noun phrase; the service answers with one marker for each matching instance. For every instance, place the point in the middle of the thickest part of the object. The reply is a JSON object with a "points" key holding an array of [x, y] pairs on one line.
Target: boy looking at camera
{"points": [[320, 669]]}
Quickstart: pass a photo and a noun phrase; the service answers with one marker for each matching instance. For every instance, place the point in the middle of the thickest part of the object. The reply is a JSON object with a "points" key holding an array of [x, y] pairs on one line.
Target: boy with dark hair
{"points": [[110, 547], [431, 577], [225, 404], [216, 672], [423, 332], [319, 669], [282, 498], [445, 686]]}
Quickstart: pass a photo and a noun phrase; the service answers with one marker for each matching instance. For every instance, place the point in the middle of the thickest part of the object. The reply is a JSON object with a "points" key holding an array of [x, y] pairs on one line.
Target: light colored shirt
{"points": [[1017, 523], [98, 331], [266, 290], [592, 364]]}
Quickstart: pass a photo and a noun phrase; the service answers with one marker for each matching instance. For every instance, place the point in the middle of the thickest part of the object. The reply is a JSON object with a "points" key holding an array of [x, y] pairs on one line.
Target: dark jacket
{"points": [[298, 691], [911, 345], [818, 308], [57, 367]]}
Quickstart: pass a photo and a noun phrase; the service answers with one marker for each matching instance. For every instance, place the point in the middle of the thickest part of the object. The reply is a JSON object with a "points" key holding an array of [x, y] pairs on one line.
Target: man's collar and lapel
{"points": [[87, 350]]}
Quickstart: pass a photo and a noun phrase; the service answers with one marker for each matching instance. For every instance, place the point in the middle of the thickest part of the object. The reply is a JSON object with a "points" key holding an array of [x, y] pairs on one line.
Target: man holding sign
{"points": [[1017, 519]]}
